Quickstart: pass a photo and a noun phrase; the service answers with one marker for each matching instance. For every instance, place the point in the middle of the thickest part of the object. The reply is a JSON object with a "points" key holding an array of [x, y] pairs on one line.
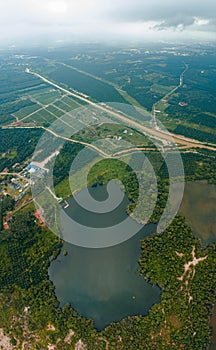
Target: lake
{"points": [[199, 208], [103, 284]]}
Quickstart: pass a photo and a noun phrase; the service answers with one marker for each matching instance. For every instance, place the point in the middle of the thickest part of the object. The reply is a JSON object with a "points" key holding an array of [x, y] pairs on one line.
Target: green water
{"points": [[199, 209]]}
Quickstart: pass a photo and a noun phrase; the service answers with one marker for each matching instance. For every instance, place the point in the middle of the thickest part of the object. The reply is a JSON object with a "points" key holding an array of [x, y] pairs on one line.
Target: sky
{"points": [[91, 20]]}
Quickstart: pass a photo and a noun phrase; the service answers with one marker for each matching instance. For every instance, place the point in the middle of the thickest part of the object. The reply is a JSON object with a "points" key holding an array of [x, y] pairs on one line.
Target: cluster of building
{"points": [[17, 185], [39, 216], [119, 138], [33, 169], [8, 218]]}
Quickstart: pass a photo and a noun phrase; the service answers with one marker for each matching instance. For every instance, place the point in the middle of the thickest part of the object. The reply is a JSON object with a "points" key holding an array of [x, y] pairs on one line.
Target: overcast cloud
{"points": [[96, 19]]}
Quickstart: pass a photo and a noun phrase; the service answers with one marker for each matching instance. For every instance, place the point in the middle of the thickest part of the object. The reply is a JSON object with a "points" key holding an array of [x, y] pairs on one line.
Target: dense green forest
{"points": [[6, 204], [99, 91], [195, 134], [17, 145]]}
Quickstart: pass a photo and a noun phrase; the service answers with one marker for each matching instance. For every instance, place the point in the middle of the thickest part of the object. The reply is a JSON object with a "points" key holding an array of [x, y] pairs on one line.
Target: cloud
{"points": [[105, 18], [181, 23], [177, 22]]}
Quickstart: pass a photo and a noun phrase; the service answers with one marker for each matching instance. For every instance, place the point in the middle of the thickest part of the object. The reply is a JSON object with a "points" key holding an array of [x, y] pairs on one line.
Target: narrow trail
{"points": [[154, 107], [15, 174], [189, 272]]}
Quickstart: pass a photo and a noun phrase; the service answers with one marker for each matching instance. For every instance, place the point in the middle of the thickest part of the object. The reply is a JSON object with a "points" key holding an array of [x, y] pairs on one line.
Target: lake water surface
{"points": [[103, 284]]}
